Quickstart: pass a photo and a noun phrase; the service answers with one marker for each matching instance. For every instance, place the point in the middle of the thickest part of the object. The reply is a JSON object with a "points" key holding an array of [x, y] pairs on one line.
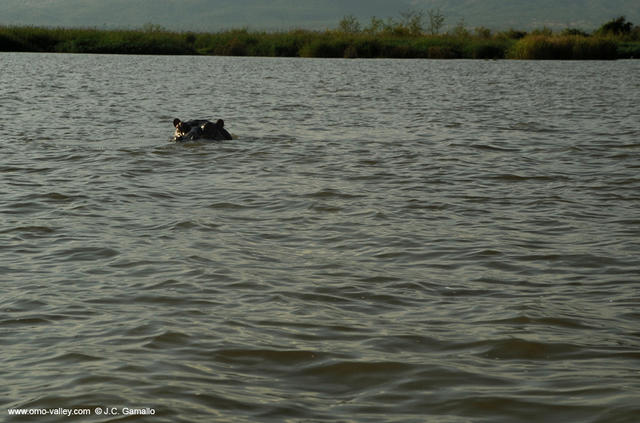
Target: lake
{"points": [[385, 240]]}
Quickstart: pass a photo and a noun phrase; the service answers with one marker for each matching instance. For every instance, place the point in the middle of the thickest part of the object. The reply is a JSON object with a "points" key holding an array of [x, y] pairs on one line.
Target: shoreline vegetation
{"points": [[415, 35]]}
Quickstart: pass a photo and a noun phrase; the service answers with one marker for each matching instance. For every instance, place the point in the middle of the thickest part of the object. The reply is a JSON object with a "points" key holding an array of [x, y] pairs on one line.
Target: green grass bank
{"points": [[382, 40]]}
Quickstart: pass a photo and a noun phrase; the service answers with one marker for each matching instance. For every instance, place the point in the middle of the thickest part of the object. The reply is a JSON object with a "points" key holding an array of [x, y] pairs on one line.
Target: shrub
{"points": [[594, 49], [324, 47], [436, 20], [413, 21], [486, 50], [483, 32], [540, 47], [390, 38], [367, 47], [190, 38], [33, 38], [349, 24], [547, 32], [234, 47], [443, 52], [630, 50], [86, 43], [512, 34], [618, 26], [286, 44], [574, 31], [8, 42]]}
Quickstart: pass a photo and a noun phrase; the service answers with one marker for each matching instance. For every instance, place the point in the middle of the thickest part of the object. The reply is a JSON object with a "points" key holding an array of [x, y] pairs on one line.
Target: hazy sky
{"points": [[212, 15]]}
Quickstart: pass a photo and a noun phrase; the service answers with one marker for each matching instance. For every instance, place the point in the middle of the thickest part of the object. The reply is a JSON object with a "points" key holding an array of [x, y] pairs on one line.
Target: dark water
{"points": [[386, 241]]}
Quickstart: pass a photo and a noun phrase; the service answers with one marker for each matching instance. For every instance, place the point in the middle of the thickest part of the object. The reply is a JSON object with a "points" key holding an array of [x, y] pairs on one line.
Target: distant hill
{"points": [[214, 15]]}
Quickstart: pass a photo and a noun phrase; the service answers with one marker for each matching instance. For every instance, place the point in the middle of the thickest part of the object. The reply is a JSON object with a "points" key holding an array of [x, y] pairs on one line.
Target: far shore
{"points": [[391, 40]]}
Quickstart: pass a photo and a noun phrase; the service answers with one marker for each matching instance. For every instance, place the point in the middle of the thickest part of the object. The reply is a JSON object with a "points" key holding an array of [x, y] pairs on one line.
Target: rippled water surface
{"points": [[385, 241]]}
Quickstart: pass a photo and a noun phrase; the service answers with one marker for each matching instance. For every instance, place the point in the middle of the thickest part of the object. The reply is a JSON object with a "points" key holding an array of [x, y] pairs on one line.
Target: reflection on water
{"points": [[385, 241]]}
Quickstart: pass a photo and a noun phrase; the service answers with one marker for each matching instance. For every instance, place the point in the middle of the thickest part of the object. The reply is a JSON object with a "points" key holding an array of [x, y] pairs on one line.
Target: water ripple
{"points": [[467, 253]]}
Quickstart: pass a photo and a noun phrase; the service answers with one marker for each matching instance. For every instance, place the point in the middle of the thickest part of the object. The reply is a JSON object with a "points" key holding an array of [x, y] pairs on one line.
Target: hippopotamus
{"points": [[200, 129]]}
